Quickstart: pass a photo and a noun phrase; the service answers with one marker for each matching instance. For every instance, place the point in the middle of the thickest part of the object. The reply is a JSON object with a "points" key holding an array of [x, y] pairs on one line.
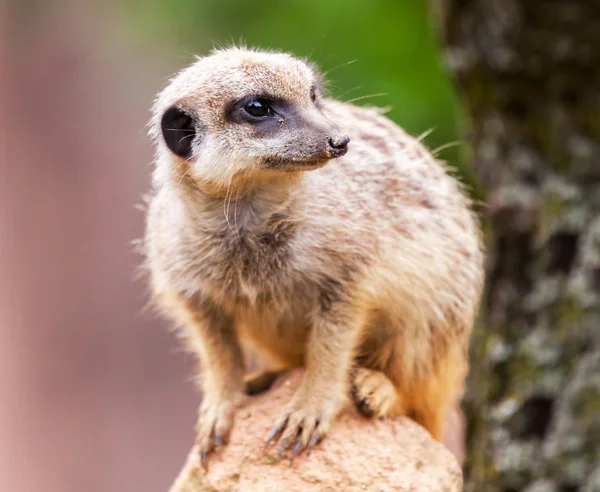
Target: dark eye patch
{"points": [[179, 130]]}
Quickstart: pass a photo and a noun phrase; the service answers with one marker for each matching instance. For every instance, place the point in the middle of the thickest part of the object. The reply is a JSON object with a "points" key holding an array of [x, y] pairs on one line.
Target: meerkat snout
{"points": [[338, 146]]}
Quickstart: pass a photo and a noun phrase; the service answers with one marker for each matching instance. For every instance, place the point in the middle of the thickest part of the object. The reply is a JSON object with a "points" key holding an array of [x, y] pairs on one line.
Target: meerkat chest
{"points": [[248, 267]]}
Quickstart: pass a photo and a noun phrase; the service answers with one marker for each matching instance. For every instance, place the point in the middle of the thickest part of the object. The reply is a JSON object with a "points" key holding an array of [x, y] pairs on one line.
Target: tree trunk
{"points": [[528, 73]]}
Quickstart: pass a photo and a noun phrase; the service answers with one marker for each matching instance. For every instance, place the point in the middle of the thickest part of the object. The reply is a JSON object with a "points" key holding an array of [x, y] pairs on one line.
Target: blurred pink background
{"points": [[95, 394]]}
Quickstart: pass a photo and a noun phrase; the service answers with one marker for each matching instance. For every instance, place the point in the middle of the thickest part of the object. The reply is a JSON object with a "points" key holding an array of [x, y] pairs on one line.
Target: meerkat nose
{"points": [[338, 145]]}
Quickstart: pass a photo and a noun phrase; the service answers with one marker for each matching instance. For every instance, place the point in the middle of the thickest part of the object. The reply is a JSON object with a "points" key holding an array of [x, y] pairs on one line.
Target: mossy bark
{"points": [[528, 74]]}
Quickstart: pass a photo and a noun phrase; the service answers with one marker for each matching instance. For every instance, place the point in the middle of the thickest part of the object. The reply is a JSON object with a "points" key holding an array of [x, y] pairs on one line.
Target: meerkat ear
{"points": [[179, 131]]}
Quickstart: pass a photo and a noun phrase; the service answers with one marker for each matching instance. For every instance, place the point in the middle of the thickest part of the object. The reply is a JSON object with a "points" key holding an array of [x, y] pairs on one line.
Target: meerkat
{"points": [[315, 232]]}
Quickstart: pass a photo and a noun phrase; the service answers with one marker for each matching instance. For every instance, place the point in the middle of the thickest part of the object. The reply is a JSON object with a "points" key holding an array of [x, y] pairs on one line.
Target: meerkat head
{"points": [[242, 112]]}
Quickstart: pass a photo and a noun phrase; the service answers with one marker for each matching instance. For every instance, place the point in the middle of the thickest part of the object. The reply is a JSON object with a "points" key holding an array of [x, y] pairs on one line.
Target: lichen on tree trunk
{"points": [[528, 75]]}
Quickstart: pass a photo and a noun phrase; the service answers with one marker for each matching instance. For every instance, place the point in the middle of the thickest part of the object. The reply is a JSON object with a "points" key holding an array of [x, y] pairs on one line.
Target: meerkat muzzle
{"points": [[338, 146]]}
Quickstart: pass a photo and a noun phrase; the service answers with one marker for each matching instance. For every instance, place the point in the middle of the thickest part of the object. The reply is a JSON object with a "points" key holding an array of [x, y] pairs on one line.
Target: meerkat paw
{"points": [[259, 381], [214, 424], [374, 395], [302, 425]]}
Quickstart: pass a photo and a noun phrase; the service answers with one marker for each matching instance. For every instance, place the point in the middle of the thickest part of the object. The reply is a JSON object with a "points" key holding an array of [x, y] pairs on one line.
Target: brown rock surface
{"points": [[358, 454]]}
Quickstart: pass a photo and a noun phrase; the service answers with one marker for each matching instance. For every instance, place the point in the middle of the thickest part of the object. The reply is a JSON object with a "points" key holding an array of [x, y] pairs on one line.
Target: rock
{"points": [[358, 454]]}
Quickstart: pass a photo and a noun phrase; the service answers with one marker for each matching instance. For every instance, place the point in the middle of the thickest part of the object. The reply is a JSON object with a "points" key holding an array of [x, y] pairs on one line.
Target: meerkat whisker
{"points": [[228, 202], [368, 96], [345, 93], [423, 135], [437, 150], [327, 72]]}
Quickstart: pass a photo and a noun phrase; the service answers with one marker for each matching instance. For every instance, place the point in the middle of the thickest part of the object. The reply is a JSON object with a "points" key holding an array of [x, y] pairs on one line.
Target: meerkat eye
{"points": [[313, 95], [259, 108]]}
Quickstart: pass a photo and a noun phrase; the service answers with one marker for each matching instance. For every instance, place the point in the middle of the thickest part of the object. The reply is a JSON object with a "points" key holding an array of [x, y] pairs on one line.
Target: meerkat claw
{"points": [[275, 433], [282, 447], [204, 459], [314, 440], [296, 448], [218, 439], [365, 408]]}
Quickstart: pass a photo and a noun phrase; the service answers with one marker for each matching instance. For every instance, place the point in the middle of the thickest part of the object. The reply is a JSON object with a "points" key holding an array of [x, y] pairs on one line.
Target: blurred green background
{"points": [[380, 53]]}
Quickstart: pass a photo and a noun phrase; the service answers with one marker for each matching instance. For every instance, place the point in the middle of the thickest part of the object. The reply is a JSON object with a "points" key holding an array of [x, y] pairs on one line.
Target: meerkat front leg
{"points": [[306, 419], [212, 336]]}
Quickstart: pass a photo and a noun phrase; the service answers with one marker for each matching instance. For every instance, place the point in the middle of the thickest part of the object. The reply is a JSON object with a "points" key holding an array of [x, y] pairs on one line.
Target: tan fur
{"points": [[373, 260]]}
